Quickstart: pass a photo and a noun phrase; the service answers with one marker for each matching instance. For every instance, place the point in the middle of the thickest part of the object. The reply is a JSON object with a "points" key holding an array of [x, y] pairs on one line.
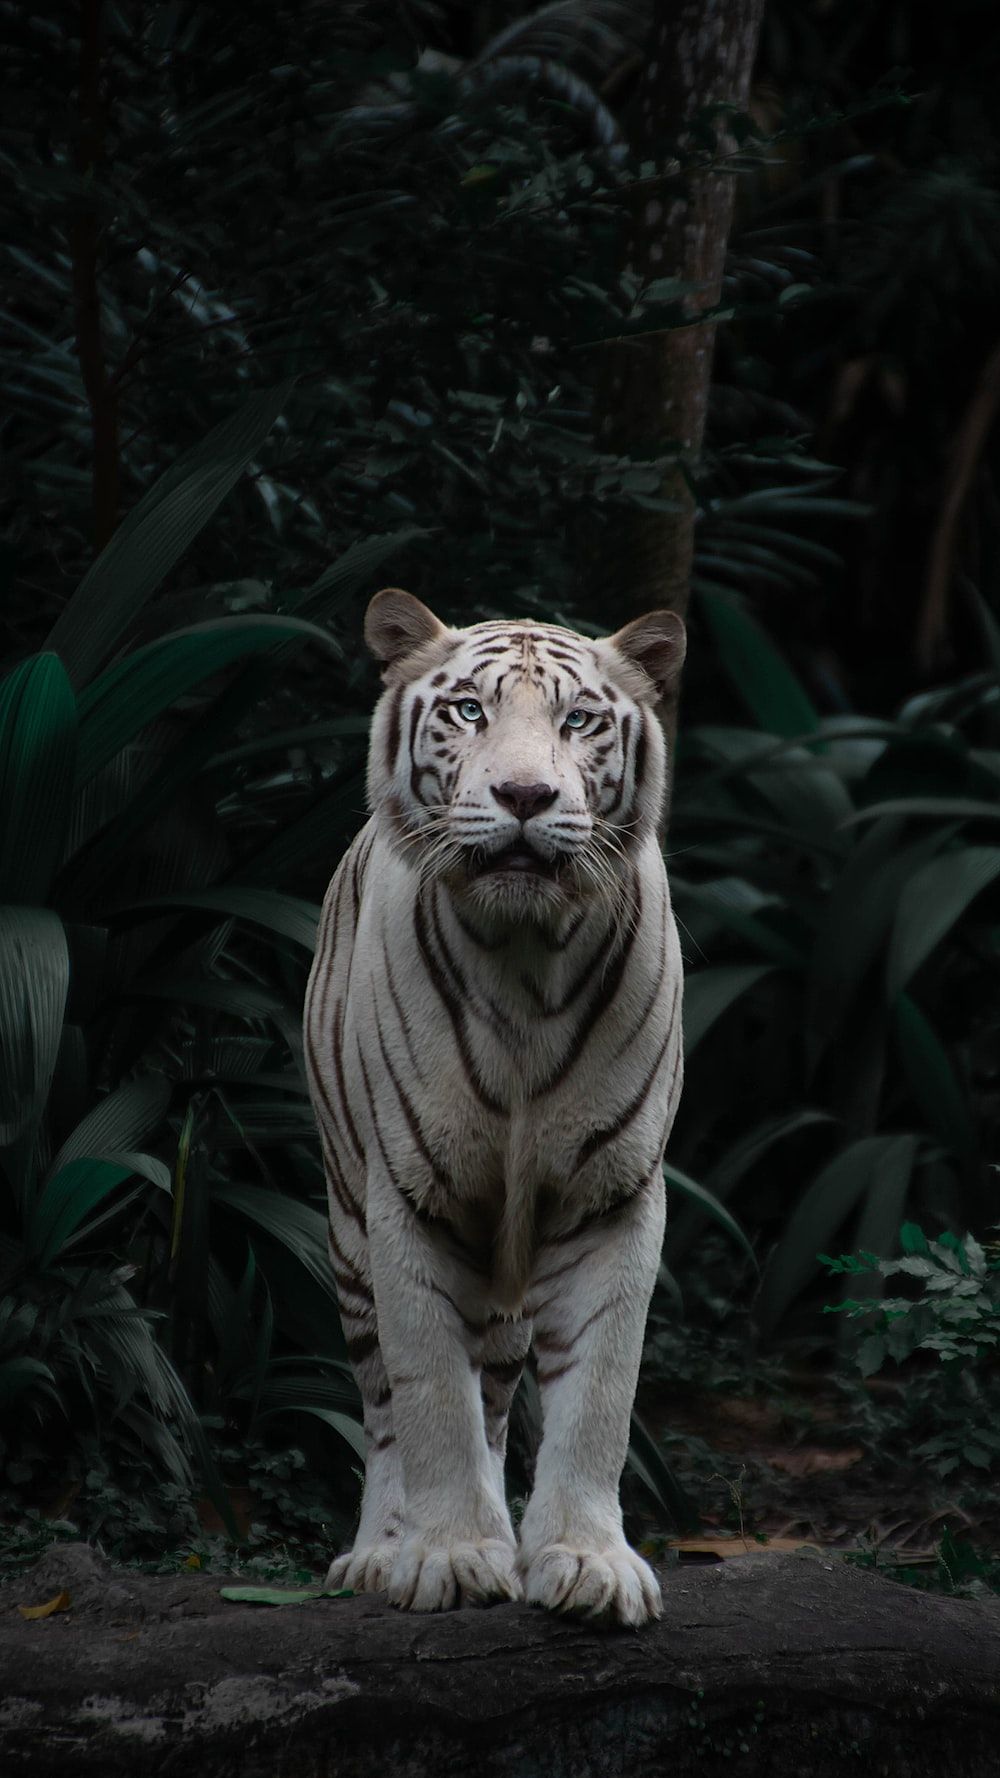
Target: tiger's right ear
{"points": [[397, 625]]}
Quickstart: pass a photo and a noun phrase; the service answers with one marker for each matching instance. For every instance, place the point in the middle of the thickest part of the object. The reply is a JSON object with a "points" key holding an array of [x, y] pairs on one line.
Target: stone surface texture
{"points": [[763, 1666]]}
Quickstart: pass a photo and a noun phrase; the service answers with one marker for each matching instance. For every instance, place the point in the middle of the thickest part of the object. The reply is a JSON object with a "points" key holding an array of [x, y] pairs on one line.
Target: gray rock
{"points": [[762, 1666]]}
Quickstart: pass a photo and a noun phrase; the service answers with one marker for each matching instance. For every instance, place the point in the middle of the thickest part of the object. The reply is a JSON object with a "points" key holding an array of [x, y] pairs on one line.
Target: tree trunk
{"points": [[652, 392]]}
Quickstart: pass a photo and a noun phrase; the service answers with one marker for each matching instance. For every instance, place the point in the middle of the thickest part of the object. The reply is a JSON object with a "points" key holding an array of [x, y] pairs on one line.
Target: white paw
{"points": [[435, 1577], [614, 1584], [365, 1569]]}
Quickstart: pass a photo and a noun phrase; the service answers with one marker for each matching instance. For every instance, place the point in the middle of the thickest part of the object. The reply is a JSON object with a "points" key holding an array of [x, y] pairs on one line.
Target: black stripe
{"points": [[416, 711], [602, 1000], [439, 1176], [600, 1138], [452, 1005], [395, 726]]}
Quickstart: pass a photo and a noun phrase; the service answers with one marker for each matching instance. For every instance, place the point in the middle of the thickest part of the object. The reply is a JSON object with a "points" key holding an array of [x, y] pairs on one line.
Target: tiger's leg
{"points": [[589, 1298], [503, 1352], [458, 1543], [366, 1567]]}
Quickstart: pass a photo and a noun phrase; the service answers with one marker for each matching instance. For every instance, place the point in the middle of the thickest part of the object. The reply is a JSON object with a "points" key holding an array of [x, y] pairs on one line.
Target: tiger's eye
{"points": [[470, 709], [575, 719]]}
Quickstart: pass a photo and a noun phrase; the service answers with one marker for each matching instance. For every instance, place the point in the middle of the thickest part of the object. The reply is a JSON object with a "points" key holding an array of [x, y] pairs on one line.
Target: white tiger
{"points": [[493, 1038]]}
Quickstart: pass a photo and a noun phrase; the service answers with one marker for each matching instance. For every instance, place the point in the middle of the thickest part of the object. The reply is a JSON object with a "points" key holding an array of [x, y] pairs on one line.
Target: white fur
{"points": [[469, 1166]]}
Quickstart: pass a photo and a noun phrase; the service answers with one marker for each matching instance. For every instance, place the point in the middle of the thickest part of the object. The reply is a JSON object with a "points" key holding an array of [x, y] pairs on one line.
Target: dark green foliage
{"points": [[291, 310]]}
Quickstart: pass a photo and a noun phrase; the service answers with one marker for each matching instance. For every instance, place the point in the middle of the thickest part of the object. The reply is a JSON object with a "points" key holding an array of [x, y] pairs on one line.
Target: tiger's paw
{"points": [[436, 1577], [365, 1569], [613, 1584]]}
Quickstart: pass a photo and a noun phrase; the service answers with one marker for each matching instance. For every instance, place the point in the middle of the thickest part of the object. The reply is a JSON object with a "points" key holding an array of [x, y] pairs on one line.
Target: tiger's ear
{"points": [[397, 624], [657, 645]]}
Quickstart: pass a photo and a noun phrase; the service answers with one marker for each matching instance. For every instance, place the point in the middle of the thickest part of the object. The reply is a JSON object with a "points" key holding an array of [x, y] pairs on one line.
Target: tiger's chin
{"points": [[515, 896]]}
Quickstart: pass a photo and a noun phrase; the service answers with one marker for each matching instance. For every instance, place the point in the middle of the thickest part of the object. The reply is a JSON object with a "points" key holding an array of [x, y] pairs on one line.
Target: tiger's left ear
{"points": [[396, 626], [657, 645]]}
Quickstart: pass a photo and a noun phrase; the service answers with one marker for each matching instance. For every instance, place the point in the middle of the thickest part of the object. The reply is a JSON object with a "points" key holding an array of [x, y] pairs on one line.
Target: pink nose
{"points": [[524, 800]]}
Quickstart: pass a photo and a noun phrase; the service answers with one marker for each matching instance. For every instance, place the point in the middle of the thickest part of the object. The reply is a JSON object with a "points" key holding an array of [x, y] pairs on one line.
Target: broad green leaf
{"points": [[297, 1226], [125, 1116], [882, 1212], [37, 762], [708, 993], [128, 695], [349, 1430], [759, 674], [281, 1595], [287, 915], [647, 1462], [321, 834], [20, 1374], [156, 533], [855, 924], [709, 1203], [755, 932], [728, 1172], [950, 808], [34, 982], [239, 998], [350, 571], [932, 900], [64, 1201], [932, 1080], [818, 1214]]}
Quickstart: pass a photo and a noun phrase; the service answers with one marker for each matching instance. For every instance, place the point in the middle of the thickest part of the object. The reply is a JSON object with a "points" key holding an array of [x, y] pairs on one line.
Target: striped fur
{"points": [[493, 1040]]}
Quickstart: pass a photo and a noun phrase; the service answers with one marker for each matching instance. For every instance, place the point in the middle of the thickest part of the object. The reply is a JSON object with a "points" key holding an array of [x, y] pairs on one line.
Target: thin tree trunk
{"points": [[84, 245], [653, 392]]}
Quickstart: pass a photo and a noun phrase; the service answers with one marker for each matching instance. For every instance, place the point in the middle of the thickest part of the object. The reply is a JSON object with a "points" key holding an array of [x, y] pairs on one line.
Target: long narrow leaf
{"points": [[126, 1116], [709, 1203], [155, 535], [820, 1210], [711, 992], [37, 762], [932, 901], [130, 694], [34, 982]]}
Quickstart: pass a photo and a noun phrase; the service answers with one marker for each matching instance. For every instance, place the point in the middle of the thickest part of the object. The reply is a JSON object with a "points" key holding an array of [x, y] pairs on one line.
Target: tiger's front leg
{"points": [[589, 1299], [458, 1543]]}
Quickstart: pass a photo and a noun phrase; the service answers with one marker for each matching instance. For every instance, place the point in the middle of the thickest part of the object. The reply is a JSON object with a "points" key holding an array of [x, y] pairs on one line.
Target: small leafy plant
{"points": [[956, 1314]]}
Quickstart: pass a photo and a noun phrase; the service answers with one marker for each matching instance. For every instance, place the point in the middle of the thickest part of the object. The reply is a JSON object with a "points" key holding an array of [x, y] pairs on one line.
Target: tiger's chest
{"points": [[485, 1078]]}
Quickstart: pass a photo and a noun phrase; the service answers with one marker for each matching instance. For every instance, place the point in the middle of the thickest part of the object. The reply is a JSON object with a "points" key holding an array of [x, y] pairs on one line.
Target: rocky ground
{"points": [[764, 1665]]}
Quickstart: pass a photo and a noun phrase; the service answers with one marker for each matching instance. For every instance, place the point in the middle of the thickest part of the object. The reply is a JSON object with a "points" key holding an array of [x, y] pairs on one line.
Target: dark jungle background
{"points": [[302, 299]]}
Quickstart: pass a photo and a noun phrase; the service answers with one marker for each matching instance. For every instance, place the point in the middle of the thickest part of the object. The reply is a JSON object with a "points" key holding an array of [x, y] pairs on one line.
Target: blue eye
{"points": [[576, 719], [469, 709]]}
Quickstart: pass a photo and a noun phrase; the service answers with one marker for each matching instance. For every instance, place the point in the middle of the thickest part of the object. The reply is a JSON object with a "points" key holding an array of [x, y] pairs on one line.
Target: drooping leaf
{"points": [[647, 1462], [932, 1079], [298, 1227], [932, 900], [128, 695], [37, 763], [287, 915], [34, 982], [709, 1203], [64, 1201], [813, 1222], [708, 993], [124, 1117], [157, 532], [759, 674], [882, 1212]]}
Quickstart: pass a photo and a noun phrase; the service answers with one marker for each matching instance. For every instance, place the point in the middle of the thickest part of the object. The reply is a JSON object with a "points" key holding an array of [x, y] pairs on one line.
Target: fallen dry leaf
{"points": [[192, 1562], [815, 1459], [724, 1548], [61, 1602]]}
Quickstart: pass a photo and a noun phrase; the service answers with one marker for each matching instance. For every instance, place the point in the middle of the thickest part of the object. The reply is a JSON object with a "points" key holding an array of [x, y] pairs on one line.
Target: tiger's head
{"points": [[520, 762]]}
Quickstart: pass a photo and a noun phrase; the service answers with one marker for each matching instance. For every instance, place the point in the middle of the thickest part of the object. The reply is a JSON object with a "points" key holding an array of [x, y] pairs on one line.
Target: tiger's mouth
{"points": [[520, 859]]}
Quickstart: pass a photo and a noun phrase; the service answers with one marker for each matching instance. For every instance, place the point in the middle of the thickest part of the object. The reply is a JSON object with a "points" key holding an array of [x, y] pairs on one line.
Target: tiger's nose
{"points": [[524, 800]]}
